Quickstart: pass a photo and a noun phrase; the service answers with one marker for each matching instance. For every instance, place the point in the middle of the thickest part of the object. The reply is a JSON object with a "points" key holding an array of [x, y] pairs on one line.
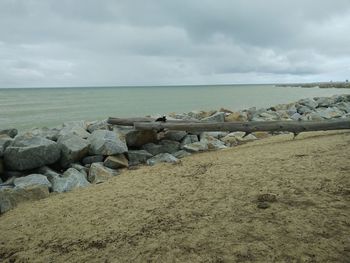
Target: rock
{"points": [[196, 146], [30, 153], [48, 172], [138, 156], [135, 138], [212, 143], [98, 125], [225, 110], [162, 158], [190, 138], [175, 135], [313, 116], [81, 124], [263, 205], [329, 113], [237, 134], [106, 143], [82, 169], [73, 149], [216, 135], [5, 141], [50, 134], [343, 106], [198, 115], [93, 159], [32, 179], [268, 197], [99, 173], [70, 180], [153, 148], [230, 141], [116, 161], [310, 103], [296, 116], [10, 198], [76, 130], [9, 132], [216, 117], [237, 116], [169, 146], [304, 110], [181, 154], [247, 138], [324, 101]]}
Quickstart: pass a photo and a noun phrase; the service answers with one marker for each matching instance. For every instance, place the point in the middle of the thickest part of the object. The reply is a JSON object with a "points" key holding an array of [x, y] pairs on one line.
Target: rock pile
{"points": [[81, 153]]}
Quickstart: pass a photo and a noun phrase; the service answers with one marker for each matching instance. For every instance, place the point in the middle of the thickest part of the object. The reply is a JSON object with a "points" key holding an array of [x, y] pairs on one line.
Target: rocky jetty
{"points": [[80, 153]]}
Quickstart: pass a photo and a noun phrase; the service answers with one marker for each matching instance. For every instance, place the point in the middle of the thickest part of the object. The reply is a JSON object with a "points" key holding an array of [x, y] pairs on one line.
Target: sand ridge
{"points": [[202, 210]]}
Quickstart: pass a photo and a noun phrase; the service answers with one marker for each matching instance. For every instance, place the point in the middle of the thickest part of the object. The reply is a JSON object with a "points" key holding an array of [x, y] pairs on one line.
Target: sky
{"points": [[51, 43]]}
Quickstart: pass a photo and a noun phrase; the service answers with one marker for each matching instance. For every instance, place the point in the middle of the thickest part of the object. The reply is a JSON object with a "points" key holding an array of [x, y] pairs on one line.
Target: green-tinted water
{"points": [[27, 108]]}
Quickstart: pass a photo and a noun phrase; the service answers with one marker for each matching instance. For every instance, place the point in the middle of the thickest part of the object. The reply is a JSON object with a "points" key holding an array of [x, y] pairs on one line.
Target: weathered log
{"points": [[131, 121], [290, 126]]}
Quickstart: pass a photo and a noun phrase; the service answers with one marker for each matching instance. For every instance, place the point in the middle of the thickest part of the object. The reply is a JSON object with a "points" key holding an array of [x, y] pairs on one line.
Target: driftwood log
{"points": [[131, 121], [253, 126]]}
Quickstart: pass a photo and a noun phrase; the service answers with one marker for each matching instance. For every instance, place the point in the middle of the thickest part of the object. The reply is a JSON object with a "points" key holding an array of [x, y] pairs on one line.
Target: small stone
{"points": [[116, 161], [268, 197], [263, 205]]}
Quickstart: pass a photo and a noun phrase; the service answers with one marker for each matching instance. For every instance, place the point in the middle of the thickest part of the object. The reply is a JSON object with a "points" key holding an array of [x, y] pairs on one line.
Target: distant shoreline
{"points": [[321, 85]]}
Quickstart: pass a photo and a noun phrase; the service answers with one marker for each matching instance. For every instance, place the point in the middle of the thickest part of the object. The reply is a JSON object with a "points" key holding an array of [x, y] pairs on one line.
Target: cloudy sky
{"points": [[168, 42]]}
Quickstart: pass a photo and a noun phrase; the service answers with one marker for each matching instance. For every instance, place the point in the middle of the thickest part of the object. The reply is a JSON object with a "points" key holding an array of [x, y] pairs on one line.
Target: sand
{"points": [[202, 210]]}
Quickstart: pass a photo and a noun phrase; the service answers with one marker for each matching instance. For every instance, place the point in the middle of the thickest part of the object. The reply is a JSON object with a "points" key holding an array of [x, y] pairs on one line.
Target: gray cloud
{"points": [[90, 42]]}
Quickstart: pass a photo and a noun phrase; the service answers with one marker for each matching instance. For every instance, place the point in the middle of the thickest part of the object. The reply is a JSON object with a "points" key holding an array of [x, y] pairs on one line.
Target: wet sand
{"points": [[202, 210]]}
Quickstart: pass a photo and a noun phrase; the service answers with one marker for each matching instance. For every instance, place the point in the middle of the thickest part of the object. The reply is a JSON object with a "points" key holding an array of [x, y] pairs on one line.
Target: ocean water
{"points": [[39, 107]]}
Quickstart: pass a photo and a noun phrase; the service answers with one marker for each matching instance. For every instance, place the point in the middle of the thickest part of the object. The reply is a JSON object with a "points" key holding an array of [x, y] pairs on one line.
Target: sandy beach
{"points": [[204, 209]]}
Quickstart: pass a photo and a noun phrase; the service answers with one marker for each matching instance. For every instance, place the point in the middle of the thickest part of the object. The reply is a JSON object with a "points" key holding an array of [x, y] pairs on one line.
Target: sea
{"points": [[26, 108]]}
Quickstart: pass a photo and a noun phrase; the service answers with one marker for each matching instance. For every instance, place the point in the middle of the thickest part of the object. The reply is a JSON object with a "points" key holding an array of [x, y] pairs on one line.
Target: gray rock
{"points": [[190, 138], [216, 117], [175, 135], [216, 135], [51, 134], [30, 153], [98, 173], [76, 130], [48, 172], [325, 101], [213, 143], [31, 180], [153, 148], [138, 156], [9, 132], [249, 137], [135, 138], [304, 110], [169, 146], [82, 169], [196, 146], [93, 159], [162, 158], [81, 123], [5, 141], [70, 180], [329, 113], [10, 198], [116, 161], [310, 103], [343, 106], [98, 125], [296, 117], [106, 143], [73, 149], [181, 154]]}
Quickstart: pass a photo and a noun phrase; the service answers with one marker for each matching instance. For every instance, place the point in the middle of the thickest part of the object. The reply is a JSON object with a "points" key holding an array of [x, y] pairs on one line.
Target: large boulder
{"points": [[32, 179], [138, 156], [48, 133], [10, 198], [116, 161], [75, 127], [73, 149], [27, 153], [310, 103], [181, 154], [105, 142], [190, 138], [237, 116], [329, 113], [9, 132], [92, 159], [5, 141], [162, 158], [175, 135], [98, 125], [212, 143], [153, 148], [196, 146], [70, 180], [325, 101], [136, 138], [216, 117], [169, 146], [98, 173]]}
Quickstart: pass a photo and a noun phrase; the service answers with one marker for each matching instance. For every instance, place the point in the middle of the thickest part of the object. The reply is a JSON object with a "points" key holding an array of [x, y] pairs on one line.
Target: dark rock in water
{"points": [[32, 180], [162, 158], [70, 180], [10, 198], [136, 138], [29, 153], [5, 141], [138, 156], [116, 161], [107, 143], [98, 173], [93, 159], [9, 132], [73, 149]]}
